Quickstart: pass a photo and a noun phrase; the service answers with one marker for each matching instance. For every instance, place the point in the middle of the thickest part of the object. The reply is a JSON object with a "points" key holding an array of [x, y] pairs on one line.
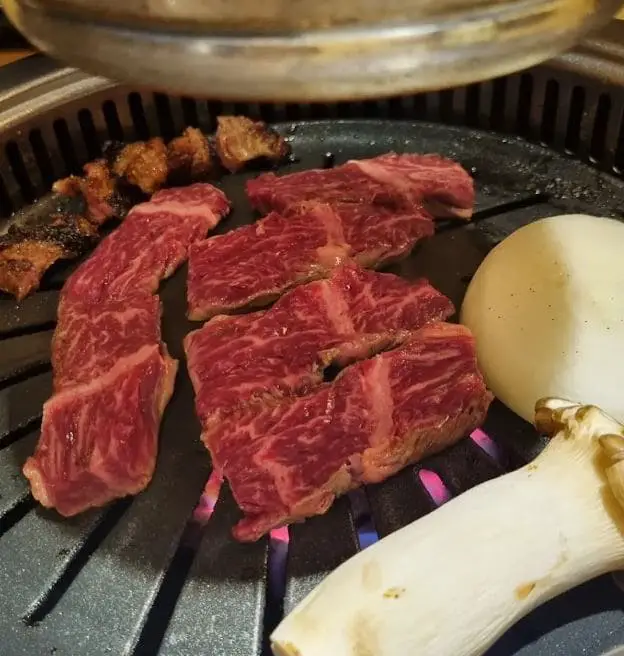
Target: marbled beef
{"points": [[290, 460], [150, 244], [99, 441], [233, 361], [258, 263], [90, 339], [113, 376], [397, 182]]}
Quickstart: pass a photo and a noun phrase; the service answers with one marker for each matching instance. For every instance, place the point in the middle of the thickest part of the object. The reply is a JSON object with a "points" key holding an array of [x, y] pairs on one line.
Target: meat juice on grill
{"points": [[289, 460], [113, 376], [234, 361]]}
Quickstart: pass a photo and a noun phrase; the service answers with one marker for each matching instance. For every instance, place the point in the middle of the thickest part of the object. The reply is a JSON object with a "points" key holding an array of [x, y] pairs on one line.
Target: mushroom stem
{"points": [[451, 583]]}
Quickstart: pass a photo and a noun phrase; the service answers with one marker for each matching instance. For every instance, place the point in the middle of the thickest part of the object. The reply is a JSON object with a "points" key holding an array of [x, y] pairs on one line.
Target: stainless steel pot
{"points": [[293, 50]]}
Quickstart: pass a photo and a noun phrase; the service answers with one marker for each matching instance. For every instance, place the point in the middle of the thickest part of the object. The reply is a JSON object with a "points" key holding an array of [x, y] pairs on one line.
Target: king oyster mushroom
{"points": [[451, 583]]}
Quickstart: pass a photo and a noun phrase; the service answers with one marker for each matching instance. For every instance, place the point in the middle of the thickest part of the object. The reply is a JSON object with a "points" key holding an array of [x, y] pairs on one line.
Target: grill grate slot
{"points": [[499, 101], [15, 499], [6, 203], [525, 97], [176, 112], [89, 134], [52, 546], [234, 575], [66, 147], [20, 172], [26, 398], [463, 466], [388, 502], [41, 152], [113, 123], [602, 120], [33, 314], [549, 112], [316, 548], [77, 559], [139, 120], [575, 117], [165, 119], [190, 114], [445, 107], [486, 99], [612, 134], [25, 355], [473, 99]]}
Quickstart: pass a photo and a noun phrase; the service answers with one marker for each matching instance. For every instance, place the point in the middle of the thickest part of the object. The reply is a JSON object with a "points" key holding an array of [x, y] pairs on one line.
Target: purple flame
{"points": [[485, 442], [434, 486]]}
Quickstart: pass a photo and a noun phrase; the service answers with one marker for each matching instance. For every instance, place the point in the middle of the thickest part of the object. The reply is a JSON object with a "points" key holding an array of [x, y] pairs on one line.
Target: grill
{"points": [[159, 573]]}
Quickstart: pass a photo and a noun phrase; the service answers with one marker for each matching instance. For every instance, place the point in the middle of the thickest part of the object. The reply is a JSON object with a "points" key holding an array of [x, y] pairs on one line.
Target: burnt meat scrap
{"points": [[113, 376], [289, 460], [126, 175], [28, 251], [240, 141]]}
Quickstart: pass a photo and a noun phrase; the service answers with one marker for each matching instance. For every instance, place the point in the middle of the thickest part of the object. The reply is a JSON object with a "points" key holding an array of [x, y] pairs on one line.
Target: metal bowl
{"points": [[289, 50]]}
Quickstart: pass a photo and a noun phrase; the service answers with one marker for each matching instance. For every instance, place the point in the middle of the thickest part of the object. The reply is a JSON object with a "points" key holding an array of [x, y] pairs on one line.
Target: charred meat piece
{"points": [[105, 197], [28, 251], [143, 164], [240, 140], [189, 157]]}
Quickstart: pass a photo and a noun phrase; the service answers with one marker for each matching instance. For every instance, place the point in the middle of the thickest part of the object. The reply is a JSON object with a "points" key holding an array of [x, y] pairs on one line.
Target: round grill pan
{"points": [[141, 576]]}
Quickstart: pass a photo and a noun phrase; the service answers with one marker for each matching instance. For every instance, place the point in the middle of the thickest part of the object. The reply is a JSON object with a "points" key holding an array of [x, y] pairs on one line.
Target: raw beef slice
{"points": [[233, 361], [99, 441], [149, 245], [258, 263], [89, 339], [397, 182], [288, 461]]}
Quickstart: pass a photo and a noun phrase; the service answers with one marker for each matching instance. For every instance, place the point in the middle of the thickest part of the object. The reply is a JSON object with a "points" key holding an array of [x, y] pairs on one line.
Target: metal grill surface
{"points": [[141, 576]]}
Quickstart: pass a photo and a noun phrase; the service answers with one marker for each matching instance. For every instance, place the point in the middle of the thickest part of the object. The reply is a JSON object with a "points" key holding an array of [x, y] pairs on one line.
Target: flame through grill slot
{"points": [[159, 573]]}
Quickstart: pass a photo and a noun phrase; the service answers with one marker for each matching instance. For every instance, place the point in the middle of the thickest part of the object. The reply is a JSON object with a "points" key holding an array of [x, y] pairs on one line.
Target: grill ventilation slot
{"points": [[558, 111]]}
